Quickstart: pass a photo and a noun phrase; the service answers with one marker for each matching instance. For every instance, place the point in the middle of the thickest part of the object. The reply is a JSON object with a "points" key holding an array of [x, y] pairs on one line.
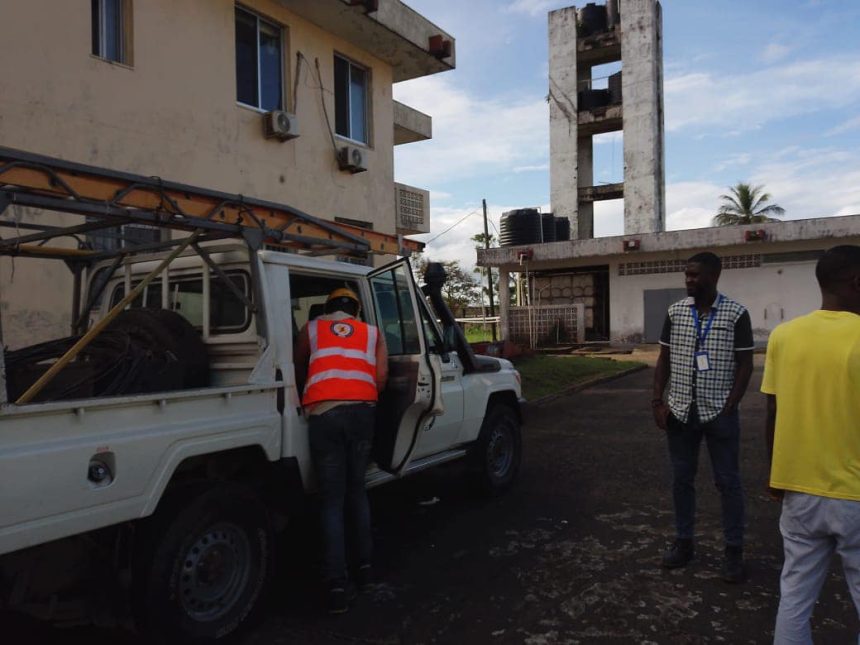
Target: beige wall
{"points": [[772, 293], [174, 114]]}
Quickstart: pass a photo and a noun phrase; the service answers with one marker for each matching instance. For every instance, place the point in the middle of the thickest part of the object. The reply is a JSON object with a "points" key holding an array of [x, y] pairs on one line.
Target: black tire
{"points": [[204, 562], [496, 455]]}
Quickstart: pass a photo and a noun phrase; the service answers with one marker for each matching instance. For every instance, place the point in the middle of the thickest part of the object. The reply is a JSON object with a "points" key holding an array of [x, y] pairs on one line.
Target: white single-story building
{"points": [[618, 288]]}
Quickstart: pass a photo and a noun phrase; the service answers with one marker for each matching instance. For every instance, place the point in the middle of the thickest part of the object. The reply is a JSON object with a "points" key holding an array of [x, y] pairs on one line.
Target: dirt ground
{"points": [[569, 555]]}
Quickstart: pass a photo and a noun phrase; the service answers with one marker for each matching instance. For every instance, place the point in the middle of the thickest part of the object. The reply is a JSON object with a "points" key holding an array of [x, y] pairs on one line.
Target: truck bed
{"points": [[46, 449]]}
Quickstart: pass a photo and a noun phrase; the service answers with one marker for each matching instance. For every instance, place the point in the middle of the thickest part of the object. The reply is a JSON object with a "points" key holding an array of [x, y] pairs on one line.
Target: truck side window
{"points": [[395, 312], [309, 293], [431, 331], [227, 313]]}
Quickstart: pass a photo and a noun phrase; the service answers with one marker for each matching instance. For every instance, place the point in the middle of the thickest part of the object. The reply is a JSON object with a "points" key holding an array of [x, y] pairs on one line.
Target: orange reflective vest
{"points": [[342, 365]]}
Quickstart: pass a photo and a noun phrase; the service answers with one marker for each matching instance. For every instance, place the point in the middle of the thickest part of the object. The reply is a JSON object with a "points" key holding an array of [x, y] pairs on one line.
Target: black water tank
{"points": [[592, 19], [547, 221], [591, 99], [562, 229], [615, 89], [520, 226]]}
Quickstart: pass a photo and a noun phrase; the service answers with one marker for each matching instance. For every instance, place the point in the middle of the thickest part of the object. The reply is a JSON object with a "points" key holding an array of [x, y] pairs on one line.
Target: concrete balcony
{"points": [[609, 118], [599, 49], [601, 193], [393, 32], [410, 125]]}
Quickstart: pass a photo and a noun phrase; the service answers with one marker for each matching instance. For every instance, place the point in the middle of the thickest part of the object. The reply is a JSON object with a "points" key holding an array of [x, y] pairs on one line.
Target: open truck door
{"points": [[413, 395]]}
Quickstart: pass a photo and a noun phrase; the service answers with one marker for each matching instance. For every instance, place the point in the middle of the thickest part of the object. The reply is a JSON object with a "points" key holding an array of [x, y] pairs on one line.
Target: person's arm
{"points": [[661, 377], [769, 388], [381, 361], [301, 356], [769, 434], [743, 373], [743, 345]]}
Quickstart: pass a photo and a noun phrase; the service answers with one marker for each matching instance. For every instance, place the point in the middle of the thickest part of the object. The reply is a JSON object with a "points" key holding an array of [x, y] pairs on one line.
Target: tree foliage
{"points": [[460, 289], [746, 204]]}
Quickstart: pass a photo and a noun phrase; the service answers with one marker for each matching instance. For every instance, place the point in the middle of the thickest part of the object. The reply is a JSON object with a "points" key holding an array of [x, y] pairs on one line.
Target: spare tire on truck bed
{"points": [[142, 350]]}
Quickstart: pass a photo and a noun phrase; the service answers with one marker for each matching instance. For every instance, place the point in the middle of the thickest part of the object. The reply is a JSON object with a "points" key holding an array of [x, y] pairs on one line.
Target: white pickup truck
{"points": [[167, 500]]}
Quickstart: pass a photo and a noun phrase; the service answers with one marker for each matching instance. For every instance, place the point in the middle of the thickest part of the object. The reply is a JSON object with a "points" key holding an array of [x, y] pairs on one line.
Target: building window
{"points": [[112, 30], [350, 100], [259, 57], [121, 237]]}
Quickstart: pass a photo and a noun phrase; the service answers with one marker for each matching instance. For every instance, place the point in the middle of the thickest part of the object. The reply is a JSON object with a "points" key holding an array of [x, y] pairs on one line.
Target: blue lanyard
{"points": [[701, 335]]}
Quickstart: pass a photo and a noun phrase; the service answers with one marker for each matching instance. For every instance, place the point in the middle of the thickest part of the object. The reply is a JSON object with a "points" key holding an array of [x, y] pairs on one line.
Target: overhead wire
{"points": [[455, 224]]}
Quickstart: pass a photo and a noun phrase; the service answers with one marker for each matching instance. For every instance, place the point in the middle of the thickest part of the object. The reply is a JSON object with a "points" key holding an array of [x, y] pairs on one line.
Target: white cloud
{"points": [[845, 126], [738, 159], [534, 7], [813, 183], [473, 136], [691, 204], [775, 52], [735, 103], [537, 168]]}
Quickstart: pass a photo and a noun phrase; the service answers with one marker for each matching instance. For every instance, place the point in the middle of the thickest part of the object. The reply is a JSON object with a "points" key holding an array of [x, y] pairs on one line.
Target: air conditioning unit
{"points": [[412, 209], [280, 125], [352, 158]]}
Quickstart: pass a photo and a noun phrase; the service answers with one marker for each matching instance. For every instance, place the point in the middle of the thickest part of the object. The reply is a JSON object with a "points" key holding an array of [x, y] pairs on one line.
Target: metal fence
{"points": [[544, 325]]}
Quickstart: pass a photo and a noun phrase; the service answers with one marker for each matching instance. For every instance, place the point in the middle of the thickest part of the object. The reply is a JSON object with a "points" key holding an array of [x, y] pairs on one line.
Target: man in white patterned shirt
{"points": [[706, 359]]}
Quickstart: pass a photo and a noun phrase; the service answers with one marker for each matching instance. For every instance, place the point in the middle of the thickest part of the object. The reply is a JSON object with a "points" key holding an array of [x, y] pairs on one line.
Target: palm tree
{"points": [[746, 205]]}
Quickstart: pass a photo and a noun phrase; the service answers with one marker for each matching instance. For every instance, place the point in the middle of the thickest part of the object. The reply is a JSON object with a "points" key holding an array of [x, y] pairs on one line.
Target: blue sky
{"points": [[765, 91]]}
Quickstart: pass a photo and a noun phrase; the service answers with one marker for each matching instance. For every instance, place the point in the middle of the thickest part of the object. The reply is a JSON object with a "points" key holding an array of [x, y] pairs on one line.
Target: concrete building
{"points": [[284, 100], [618, 288], [580, 41]]}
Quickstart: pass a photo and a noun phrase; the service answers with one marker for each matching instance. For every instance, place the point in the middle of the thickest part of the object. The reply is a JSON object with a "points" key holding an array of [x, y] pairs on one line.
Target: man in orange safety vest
{"points": [[343, 364]]}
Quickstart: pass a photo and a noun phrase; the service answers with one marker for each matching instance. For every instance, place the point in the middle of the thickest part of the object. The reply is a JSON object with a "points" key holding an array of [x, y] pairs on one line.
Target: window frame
{"points": [[367, 100], [98, 28], [119, 287], [281, 49]]}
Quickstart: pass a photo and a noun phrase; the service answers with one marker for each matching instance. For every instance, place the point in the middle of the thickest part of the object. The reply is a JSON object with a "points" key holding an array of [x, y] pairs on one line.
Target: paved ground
{"points": [[567, 556]]}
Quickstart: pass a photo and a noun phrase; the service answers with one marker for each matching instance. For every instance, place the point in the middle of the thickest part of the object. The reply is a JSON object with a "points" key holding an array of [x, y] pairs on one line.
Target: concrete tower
{"points": [[629, 31]]}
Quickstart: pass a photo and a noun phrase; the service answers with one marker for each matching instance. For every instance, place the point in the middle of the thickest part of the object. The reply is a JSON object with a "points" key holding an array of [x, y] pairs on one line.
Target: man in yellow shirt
{"points": [[812, 382]]}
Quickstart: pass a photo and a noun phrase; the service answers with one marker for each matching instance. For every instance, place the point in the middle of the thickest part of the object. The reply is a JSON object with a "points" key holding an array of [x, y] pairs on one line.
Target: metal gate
{"points": [[657, 301]]}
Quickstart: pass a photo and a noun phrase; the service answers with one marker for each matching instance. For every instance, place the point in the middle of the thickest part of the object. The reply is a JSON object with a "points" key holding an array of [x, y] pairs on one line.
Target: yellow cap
{"points": [[342, 292]]}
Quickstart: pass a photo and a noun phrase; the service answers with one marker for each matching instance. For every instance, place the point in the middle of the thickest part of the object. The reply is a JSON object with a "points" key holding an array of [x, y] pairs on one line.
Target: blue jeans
{"points": [[340, 442], [722, 436], [814, 529]]}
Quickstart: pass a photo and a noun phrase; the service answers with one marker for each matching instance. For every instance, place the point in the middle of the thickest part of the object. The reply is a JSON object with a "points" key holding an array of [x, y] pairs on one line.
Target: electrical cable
{"points": [[457, 223]]}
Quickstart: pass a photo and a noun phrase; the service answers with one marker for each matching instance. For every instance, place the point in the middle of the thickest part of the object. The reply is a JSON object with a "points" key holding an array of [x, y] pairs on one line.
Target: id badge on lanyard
{"points": [[701, 358]]}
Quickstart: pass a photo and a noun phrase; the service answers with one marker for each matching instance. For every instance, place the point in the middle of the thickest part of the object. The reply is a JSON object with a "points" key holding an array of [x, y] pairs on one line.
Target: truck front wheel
{"points": [[204, 562], [497, 453]]}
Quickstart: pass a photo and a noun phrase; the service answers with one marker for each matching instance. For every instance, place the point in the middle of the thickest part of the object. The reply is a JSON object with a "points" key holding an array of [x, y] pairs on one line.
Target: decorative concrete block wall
{"points": [[545, 325]]}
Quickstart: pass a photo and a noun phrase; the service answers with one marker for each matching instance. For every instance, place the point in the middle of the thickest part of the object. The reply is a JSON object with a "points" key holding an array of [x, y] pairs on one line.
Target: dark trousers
{"points": [[340, 442], [722, 436]]}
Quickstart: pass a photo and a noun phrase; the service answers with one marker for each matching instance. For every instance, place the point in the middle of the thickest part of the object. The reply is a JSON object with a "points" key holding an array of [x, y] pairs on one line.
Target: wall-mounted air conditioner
{"points": [[280, 125], [352, 158]]}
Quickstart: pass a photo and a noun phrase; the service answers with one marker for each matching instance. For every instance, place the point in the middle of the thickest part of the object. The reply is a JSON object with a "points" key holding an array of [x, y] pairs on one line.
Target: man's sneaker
{"points": [[364, 577], [678, 555], [340, 594], [733, 565]]}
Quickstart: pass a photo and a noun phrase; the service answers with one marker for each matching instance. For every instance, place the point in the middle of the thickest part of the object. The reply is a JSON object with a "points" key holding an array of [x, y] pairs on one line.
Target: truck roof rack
{"points": [[109, 199]]}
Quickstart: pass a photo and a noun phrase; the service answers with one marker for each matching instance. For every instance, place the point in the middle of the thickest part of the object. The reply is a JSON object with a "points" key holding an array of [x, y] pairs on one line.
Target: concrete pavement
{"points": [[569, 555]]}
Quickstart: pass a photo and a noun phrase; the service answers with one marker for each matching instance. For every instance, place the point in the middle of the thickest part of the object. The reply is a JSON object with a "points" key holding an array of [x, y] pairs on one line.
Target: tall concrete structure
{"points": [[629, 31]]}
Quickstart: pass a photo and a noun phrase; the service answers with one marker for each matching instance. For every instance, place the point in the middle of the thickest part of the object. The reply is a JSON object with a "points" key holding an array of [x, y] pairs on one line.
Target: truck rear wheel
{"points": [[203, 566], [497, 453]]}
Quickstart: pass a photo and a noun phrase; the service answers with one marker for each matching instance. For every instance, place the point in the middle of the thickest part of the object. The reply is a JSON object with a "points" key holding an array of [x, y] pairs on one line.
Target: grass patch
{"points": [[544, 375], [478, 333]]}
